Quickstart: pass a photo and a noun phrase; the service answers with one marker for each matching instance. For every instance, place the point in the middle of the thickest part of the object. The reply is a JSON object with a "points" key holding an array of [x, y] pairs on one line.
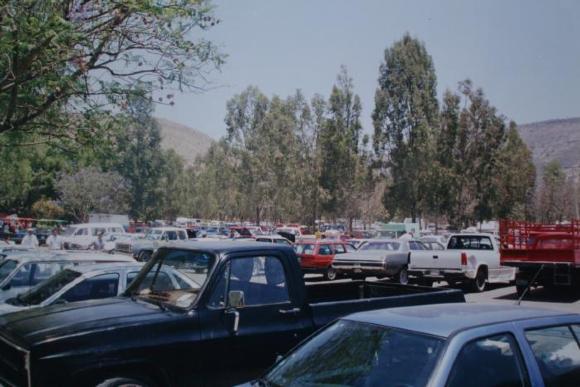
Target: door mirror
{"points": [[236, 299]]}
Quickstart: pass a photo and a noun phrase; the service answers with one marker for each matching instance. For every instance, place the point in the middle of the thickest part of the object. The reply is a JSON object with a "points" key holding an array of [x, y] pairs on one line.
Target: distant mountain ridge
{"points": [[554, 140], [187, 142]]}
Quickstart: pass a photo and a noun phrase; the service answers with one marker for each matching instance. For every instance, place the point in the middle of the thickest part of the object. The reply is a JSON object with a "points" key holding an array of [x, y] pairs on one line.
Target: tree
{"points": [[515, 177], [91, 190], [65, 60], [176, 186], [551, 193], [139, 157], [47, 209], [405, 114], [339, 148]]}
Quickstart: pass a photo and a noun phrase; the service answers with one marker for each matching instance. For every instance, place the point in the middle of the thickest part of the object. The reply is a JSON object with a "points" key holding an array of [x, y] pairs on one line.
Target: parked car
{"points": [[20, 272], [380, 258], [544, 254], [317, 255], [250, 304], [453, 345], [273, 239], [82, 236], [434, 242], [471, 259], [90, 282], [142, 249]]}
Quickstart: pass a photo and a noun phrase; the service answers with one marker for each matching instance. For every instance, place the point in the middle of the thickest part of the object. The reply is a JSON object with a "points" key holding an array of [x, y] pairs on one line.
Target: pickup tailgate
{"points": [[331, 301]]}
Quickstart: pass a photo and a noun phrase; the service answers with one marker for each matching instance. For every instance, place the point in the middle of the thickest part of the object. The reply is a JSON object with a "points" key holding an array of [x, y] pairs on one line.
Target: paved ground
{"points": [[540, 297]]}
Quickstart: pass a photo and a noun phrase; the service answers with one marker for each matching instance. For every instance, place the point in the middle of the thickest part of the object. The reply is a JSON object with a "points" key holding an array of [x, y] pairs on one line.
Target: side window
{"points": [[485, 244], [350, 249], [218, 297], [82, 231], [415, 246], [101, 286], [437, 246], [339, 249], [557, 353], [324, 250], [182, 235], [22, 276], [491, 361], [262, 279], [43, 271], [171, 235], [97, 231]]}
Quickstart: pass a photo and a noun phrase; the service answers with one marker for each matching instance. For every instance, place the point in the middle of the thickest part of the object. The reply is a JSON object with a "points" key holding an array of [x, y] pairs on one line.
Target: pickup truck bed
{"points": [[329, 301]]}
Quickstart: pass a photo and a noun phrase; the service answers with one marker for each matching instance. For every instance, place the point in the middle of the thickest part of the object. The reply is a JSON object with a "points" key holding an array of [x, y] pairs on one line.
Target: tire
{"points": [[330, 274], [403, 276], [123, 382], [479, 283], [144, 256]]}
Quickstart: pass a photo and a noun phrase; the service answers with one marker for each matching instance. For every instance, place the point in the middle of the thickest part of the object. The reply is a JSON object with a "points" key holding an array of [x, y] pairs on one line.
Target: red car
{"points": [[316, 256]]}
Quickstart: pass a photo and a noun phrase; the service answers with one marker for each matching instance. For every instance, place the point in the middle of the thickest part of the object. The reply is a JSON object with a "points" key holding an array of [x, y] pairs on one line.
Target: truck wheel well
{"points": [[145, 372]]}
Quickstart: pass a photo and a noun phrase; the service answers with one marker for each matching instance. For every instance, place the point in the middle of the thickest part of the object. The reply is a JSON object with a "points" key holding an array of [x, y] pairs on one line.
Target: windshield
{"points": [[46, 289], [153, 234], [349, 353], [393, 246], [69, 231], [192, 268], [6, 267]]}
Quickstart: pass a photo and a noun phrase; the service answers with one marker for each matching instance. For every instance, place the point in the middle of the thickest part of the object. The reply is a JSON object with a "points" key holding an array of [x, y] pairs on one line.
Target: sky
{"points": [[524, 54]]}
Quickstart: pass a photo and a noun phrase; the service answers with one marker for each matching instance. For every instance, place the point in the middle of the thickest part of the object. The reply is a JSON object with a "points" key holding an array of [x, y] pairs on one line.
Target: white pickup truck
{"points": [[468, 258]]}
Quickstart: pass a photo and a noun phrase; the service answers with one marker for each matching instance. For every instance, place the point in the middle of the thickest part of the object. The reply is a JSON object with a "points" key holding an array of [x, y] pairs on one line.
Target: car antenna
{"points": [[518, 302]]}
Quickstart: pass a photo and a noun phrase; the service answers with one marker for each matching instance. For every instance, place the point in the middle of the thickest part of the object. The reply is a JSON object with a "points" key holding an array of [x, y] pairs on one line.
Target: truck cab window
{"points": [[262, 279], [490, 361]]}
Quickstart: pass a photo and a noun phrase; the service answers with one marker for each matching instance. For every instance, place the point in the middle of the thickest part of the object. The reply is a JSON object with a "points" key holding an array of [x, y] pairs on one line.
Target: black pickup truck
{"points": [[235, 307]]}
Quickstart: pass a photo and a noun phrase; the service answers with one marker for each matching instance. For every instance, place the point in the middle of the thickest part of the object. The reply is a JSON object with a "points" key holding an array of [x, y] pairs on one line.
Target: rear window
{"points": [[469, 242], [390, 246]]}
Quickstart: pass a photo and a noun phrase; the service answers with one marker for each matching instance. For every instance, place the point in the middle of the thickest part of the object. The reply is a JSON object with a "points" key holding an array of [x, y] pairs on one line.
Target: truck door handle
{"points": [[236, 323], [435, 257], [289, 311]]}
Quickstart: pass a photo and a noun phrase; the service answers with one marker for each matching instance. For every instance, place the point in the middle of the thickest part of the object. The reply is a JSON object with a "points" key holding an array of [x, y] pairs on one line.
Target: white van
{"points": [[81, 236]]}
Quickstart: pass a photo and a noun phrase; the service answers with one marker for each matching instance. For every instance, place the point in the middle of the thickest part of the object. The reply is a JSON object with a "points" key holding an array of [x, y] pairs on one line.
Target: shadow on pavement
{"points": [[566, 295]]}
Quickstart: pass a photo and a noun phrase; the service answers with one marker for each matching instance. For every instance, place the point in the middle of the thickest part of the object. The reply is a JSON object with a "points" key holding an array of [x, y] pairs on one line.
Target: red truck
{"points": [[317, 256], [544, 254]]}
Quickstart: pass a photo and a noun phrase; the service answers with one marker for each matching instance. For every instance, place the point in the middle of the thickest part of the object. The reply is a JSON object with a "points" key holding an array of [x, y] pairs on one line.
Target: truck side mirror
{"points": [[236, 299]]}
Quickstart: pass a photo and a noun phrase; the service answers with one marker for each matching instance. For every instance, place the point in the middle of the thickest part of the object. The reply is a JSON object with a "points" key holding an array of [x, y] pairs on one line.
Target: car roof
{"points": [[167, 228], [85, 269], [225, 246], [97, 225], [446, 319], [31, 256]]}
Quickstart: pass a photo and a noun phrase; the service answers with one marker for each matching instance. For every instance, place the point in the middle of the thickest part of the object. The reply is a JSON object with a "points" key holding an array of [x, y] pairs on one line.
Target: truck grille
{"points": [[124, 247], [13, 364]]}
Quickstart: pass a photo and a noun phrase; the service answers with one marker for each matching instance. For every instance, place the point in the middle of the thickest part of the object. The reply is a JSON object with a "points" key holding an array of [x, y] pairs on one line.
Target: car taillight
{"points": [[463, 259]]}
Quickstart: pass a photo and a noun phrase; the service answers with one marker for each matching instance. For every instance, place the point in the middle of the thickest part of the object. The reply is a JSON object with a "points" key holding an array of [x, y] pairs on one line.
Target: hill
{"points": [[554, 140], [187, 142]]}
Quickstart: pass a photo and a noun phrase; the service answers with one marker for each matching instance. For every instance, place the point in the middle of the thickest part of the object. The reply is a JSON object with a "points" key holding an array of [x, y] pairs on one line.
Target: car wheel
{"points": [[480, 281], [403, 276], [124, 382], [330, 274], [144, 256]]}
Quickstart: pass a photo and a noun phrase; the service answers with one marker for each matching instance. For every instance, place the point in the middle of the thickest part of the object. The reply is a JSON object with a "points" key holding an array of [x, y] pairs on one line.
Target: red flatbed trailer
{"points": [[547, 254]]}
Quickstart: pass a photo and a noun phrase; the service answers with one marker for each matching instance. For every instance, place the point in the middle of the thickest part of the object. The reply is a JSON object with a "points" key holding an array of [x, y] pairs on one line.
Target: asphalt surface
{"points": [[566, 300]]}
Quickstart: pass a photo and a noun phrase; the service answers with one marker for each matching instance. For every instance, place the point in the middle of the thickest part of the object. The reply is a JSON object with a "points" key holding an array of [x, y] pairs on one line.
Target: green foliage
{"points": [[65, 60], [404, 117], [47, 209], [553, 192], [139, 158]]}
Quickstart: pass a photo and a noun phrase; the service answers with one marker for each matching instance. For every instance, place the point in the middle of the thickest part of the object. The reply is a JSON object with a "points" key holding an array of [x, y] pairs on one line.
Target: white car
{"points": [[468, 258], [142, 249], [82, 236], [90, 282], [19, 272]]}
